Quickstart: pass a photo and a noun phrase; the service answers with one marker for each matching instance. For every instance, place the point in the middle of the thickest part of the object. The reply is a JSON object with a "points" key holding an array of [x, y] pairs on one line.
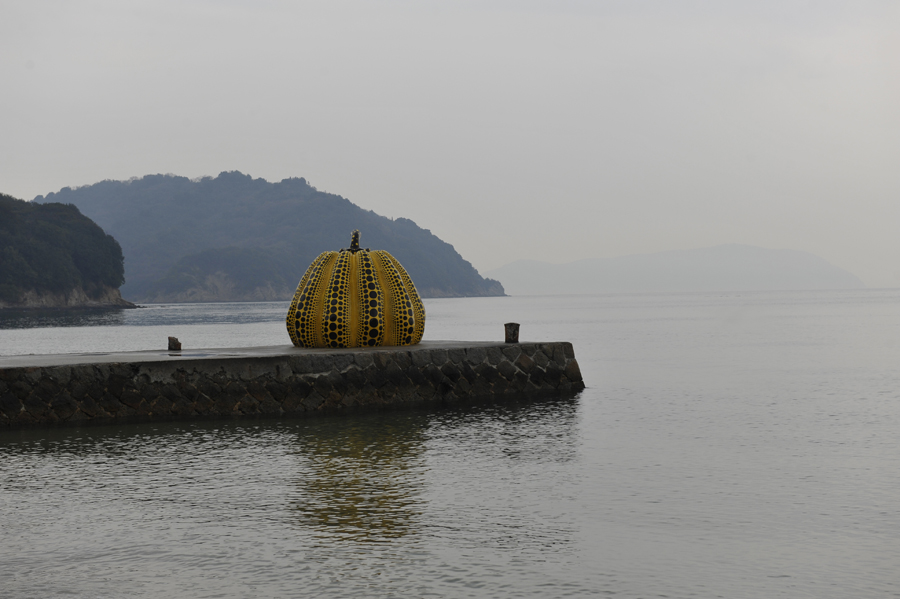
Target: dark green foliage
{"points": [[248, 267], [161, 218], [53, 248]]}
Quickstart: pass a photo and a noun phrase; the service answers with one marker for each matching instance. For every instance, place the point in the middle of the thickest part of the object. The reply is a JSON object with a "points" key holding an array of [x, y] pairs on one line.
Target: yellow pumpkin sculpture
{"points": [[355, 298]]}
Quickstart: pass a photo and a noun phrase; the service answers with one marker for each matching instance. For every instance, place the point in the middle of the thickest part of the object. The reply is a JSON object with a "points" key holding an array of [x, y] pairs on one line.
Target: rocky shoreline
{"points": [[107, 297]]}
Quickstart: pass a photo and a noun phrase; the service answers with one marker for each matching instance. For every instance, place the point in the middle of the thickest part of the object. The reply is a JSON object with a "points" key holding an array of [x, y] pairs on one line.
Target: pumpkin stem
{"points": [[354, 243]]}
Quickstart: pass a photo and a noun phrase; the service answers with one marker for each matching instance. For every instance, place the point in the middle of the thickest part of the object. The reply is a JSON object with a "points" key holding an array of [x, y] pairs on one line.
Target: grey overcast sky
{"points": [[551, 130]]}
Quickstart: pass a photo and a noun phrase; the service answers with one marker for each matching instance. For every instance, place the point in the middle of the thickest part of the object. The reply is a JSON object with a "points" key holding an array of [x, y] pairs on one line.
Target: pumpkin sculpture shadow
{"points": [[361, 479], [355, 298]]}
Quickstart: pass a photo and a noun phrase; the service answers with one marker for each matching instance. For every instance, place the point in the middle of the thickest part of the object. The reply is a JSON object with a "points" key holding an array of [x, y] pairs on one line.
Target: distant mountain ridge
{"points": [[172, 228], [731, 267]]}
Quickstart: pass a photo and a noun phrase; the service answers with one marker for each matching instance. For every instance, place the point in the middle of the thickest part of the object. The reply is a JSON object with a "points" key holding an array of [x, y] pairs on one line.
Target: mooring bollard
{"points": [[512, 332], [174, 344]]}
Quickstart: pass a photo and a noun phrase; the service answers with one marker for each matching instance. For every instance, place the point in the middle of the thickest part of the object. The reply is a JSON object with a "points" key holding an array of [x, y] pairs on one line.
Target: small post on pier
{"points": [[174, 344], [512, 332]]}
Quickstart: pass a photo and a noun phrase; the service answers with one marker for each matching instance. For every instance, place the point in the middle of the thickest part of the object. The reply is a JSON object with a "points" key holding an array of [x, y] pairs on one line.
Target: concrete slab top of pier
{"points": [[220, 353]]}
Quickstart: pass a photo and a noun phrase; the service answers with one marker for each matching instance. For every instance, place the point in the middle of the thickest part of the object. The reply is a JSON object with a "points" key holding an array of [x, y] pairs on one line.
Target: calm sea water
{"points": [[727, 445]]}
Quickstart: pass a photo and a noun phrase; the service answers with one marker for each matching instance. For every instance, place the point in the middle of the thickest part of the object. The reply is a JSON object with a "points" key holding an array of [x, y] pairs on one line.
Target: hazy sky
{"points": [[546, 130]]}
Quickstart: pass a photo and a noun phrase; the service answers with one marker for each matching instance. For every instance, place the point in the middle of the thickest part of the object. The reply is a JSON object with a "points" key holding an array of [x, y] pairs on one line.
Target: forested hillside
{"points": [[52, 255], [170, 228], [239, 274]]}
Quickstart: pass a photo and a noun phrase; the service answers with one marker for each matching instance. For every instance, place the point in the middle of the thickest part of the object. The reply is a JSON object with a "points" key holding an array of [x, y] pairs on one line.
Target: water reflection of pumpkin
{"points": [[362, 479]]}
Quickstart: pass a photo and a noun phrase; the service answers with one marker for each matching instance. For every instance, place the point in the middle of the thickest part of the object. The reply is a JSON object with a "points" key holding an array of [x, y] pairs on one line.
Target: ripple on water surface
{"points": [[386, 504]]}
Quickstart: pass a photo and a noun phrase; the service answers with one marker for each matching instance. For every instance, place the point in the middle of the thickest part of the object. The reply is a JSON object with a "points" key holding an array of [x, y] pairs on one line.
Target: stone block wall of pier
{"points": [[283, 381]]}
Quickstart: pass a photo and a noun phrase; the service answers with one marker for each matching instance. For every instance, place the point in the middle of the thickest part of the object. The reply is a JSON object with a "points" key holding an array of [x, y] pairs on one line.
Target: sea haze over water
{"points": [[734, 445], [731, 267]]}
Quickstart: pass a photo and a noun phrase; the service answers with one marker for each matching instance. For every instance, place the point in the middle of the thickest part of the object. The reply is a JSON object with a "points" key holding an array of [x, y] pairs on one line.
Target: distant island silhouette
{"points": [[730, 267], [236, 238]]}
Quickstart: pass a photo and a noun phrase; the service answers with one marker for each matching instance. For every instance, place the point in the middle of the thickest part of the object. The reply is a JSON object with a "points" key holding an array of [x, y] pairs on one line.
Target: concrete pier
{"points": [[275, 381]]}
